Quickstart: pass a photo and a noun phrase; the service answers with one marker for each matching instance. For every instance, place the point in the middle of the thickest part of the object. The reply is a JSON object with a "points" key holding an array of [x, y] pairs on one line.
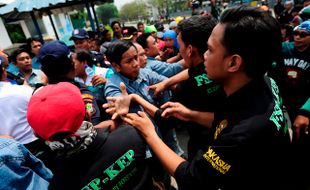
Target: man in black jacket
{"points": [[86, 157], [250, 137]]}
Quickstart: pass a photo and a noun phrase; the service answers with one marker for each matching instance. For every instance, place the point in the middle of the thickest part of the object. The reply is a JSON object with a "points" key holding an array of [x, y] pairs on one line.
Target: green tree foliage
{"points": [[158, 3], [106, 11], [161, 5], [16, 33], [133, 11]]}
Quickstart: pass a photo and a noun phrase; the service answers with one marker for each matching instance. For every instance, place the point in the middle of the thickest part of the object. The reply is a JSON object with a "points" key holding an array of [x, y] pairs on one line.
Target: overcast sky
{"points": [[120, 3]]}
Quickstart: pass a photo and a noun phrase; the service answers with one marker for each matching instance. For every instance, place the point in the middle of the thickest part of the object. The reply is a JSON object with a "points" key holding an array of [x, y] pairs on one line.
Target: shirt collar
{"points": [[22, 75], [151, 58], [128, 81]]}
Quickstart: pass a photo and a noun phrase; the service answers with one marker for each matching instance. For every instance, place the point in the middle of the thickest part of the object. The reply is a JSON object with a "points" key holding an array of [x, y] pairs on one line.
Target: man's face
{"points": [[23, 62], [79, 67], [35, 47], [215, 57], [81, 44], [117, 29], [141, 28], [184, 51], [152, 48], [301, 39], [108, 36], [129, 66], [141, 55], [93, 46], [169, 42]]}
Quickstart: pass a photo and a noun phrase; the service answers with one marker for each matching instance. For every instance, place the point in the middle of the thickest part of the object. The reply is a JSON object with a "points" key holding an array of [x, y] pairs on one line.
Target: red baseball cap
{"points": [[56, 108]]}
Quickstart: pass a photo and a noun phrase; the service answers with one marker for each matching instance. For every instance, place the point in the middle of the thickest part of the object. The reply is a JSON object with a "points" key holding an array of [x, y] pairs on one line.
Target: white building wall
{"points": [[25, 28], [48, 26], [5, 40]]}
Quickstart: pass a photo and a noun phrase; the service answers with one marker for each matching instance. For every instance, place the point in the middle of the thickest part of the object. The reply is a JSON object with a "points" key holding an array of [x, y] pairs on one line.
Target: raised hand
{"points": [[140, 121], [176, 110], [158, 88], [118, 106], [98, 80], [301, 125]]}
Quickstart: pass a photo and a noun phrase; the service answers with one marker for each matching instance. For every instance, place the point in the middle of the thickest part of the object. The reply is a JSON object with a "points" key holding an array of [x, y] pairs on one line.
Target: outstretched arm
{"points": [[169, 159], [179, 111], [161, 86], [119, 105]]}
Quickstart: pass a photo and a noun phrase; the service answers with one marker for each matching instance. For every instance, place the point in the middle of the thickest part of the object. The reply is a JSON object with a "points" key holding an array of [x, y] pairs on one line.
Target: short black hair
{"points": [[254, 35], [115, 22], [84, 55], [117, 49], [196, 31], [142, 39], [18, 51], [140, 23], [28, 44], [56, 68]]}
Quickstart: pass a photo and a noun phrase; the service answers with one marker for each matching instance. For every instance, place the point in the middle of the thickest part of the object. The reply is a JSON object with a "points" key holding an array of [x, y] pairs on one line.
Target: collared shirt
{"points": [[13, 113], [139, 86], [163, 68], [12, 68], [20, 169], [35, 77]]}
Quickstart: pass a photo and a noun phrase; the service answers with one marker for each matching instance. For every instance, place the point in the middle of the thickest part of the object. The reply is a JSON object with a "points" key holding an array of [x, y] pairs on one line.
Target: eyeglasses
{"points": [[301, 34]]}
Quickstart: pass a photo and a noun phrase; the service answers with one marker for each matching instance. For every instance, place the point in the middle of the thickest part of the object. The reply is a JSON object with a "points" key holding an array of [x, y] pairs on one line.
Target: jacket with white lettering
{"points": [[250, 142], [292, 75], [115, 160]]}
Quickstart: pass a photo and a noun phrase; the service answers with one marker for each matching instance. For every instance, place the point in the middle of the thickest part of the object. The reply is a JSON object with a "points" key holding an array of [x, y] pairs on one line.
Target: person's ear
{"points": [[235, 63], [117, 67], [189, 50], [146, 51]]}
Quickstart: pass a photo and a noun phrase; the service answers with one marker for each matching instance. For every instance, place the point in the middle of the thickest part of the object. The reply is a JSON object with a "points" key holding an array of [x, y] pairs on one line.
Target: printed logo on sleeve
{"points": [[219, 128], [216, 162], [88, 100]]}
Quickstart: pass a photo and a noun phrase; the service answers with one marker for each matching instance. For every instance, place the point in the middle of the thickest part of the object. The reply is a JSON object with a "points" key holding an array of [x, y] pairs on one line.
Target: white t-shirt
{"points": [[14, 101]]}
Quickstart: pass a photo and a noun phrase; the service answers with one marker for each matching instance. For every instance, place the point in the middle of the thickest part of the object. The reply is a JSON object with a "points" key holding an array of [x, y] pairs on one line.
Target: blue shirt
{"points": [[139, 86], [12, 68], [35, 63], [19, 169], [35, 77], [163, 68]]}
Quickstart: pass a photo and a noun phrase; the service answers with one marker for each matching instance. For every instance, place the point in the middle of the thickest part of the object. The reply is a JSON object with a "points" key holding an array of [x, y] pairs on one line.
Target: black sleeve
{"points": [[165, 123], [239, 152]]}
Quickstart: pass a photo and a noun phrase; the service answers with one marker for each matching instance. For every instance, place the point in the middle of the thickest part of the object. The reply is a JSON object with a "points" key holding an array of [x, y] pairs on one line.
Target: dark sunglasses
{"points": [[301, 34]]}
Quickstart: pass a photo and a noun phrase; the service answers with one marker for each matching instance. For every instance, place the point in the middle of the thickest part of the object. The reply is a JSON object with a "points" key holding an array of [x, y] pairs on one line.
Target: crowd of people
{"points": [[103, 114]]}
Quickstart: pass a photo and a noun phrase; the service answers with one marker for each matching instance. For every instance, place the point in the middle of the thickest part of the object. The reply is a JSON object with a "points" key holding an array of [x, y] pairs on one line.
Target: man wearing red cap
{"points": [[86, 157]]}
